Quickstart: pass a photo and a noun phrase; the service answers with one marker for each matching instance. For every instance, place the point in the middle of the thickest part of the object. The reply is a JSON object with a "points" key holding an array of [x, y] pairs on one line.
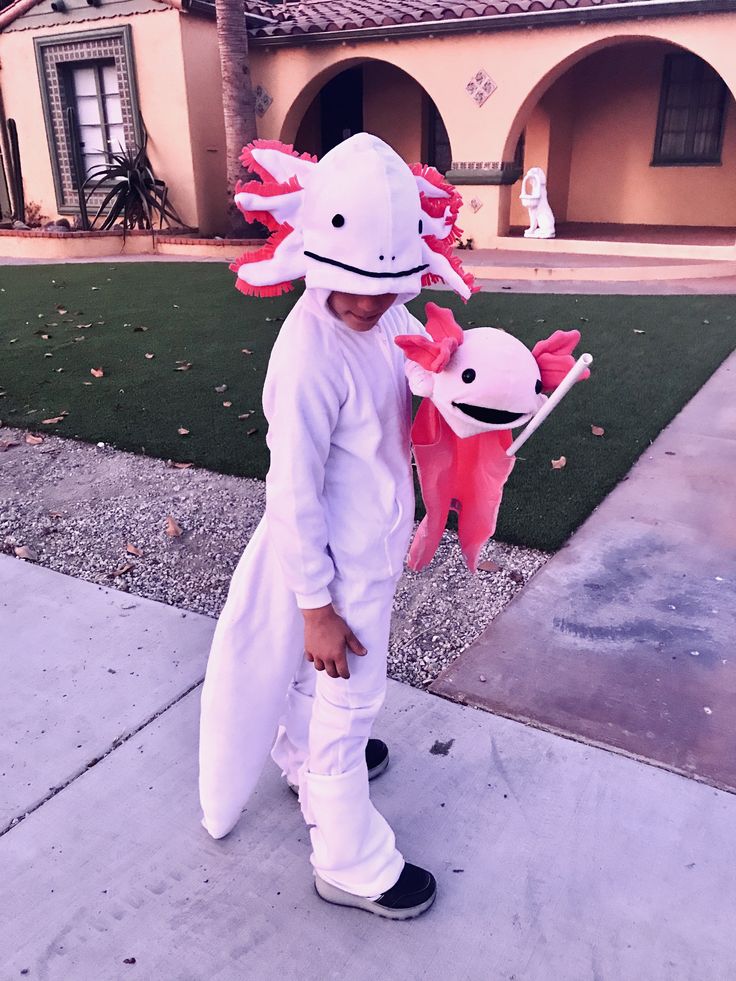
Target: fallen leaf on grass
{"points": [[597, 430], [7, 444], [220, 389], [86, 383], [53, 421], [133, 550], [183, 365], [226, 405], [84, 326], [251, 432], [559, 463], [139, 328], [245, 350], [173, 530], [182, 431], [639, 331], [26, 552], [48, 354], [245, 415], [489, 566], [96, 372], [61, 310], [33, 440], [121, 571], [45, 337], [149, 355]]}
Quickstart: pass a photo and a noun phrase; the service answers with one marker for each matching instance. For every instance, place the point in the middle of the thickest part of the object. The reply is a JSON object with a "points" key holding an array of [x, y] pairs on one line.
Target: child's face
{"points": [[357, 312]]}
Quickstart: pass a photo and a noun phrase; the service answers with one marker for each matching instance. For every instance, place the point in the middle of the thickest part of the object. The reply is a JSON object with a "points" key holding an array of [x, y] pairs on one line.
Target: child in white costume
{"points": [[319, 575]]}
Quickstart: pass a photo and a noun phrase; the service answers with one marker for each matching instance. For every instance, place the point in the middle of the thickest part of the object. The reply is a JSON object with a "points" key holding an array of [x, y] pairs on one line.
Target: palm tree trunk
{"points": [[238, 102]]}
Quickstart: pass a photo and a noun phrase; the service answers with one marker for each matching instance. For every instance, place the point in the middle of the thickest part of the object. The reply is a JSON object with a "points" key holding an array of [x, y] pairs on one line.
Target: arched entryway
{"points": [[638, 138], [376, 97]]}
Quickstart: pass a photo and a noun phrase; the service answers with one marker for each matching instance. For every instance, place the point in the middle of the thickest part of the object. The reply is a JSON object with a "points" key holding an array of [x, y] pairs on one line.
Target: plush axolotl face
{"points": [[491, 382], [483, 379]]}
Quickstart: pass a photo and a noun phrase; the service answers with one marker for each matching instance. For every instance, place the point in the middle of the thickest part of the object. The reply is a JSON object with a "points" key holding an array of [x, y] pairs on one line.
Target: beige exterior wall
{"points": [[204, 100], [159, 70], [611, 178], [393, 108], [525, 64]]}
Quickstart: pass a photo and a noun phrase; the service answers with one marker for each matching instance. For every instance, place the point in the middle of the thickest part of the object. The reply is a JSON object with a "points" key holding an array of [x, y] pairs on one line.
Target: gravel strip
{"points": [[78, 507]]}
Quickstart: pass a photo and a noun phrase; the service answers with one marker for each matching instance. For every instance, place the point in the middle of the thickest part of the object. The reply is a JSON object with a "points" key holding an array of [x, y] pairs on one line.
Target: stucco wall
{"points": [[611, 177], [159, 71], [207, 127], [393, 108]]}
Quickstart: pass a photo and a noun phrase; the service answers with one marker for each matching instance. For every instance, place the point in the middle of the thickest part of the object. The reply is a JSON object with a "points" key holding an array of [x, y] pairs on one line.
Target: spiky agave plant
{"points": [[132, 191]]}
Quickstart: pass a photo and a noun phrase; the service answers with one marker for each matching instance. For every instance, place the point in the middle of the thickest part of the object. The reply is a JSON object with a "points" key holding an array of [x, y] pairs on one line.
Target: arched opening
{"points": [[638, 141], [379, 98]]}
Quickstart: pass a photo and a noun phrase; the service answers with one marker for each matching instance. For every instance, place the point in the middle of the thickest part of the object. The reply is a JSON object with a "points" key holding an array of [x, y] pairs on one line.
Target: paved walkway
{"points": [[557, 861], [626, 637]]}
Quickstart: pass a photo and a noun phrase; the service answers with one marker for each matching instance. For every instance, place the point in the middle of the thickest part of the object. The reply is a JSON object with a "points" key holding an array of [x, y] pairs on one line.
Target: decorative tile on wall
{"points": [[264, 100], [481, 87]]}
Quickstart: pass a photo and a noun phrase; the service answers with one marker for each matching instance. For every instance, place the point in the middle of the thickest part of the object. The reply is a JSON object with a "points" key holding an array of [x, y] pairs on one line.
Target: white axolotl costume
{"points": [[339, 493]]}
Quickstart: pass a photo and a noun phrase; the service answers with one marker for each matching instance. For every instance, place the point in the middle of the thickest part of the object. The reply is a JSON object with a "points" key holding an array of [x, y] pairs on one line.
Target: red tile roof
{"points": [[300, 17]]}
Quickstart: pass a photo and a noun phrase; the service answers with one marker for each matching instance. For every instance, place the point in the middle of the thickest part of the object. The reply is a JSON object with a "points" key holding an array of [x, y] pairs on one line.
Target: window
{"points": [[91, 72], [92, 89], [692, 113]]}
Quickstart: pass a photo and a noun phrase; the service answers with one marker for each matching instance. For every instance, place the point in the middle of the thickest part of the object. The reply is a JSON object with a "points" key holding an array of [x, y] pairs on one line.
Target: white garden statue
{"points": [[534, 198]]}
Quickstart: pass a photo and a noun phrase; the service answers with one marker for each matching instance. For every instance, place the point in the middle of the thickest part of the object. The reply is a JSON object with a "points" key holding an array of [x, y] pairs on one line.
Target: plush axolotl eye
{"points": [[468, 376], [338, 221], [538, 386]]}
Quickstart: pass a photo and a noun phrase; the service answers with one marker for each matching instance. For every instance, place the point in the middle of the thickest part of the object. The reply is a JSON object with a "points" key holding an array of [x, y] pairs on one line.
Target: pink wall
{"points": [[616, 101]]}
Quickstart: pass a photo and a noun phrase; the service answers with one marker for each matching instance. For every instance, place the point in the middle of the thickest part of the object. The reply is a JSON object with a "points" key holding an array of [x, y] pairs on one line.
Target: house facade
{"points": [[628, 105]]}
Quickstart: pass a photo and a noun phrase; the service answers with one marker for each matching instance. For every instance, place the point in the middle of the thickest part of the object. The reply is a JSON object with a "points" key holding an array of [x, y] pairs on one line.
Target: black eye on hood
{"points": [[468, 376], [338, 221], [538, 386]]}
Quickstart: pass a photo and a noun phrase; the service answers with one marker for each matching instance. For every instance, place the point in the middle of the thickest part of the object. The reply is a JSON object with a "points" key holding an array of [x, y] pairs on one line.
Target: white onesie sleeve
{"points": [[301, 400]]}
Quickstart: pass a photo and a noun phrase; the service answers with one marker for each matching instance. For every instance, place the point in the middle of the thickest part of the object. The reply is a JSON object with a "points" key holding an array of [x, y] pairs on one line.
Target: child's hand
{"points": [[326, 639]]}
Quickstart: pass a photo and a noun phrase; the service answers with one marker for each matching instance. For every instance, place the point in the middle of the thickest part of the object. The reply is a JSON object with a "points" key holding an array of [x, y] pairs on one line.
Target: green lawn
{"points": [[194, 315]]}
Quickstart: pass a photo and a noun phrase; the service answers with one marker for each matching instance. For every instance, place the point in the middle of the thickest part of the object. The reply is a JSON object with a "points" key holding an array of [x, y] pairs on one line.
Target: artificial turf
{"points": [[651, 355]]}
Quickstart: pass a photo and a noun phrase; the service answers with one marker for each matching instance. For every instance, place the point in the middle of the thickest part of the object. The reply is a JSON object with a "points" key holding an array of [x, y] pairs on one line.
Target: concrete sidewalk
{"points": [[555, 861], [626, 637]]}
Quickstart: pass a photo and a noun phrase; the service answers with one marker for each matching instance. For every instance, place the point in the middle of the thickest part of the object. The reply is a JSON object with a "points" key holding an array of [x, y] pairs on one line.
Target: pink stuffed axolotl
{"points": [[477, 385]]}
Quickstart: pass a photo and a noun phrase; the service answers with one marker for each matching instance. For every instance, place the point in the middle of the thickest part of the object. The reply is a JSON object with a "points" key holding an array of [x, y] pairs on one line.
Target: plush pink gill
{"points": [[554, 357], [251, 164], [263, 254]]}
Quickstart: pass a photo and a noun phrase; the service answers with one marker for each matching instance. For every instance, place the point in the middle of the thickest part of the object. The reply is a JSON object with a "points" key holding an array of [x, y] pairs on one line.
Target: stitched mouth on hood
{"points": [[366, 272], [495, 417]]}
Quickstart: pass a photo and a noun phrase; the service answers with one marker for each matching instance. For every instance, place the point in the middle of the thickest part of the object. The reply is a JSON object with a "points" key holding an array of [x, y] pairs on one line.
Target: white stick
{"points": [[583, 362]]}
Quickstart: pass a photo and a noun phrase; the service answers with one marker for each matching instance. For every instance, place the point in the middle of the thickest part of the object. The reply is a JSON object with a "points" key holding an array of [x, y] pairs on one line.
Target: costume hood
{"points": [[357, 221]]}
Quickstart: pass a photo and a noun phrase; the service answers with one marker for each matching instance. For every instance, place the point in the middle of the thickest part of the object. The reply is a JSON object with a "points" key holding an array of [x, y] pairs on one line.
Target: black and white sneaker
{"points": [[412, 895], [376, 758]]}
